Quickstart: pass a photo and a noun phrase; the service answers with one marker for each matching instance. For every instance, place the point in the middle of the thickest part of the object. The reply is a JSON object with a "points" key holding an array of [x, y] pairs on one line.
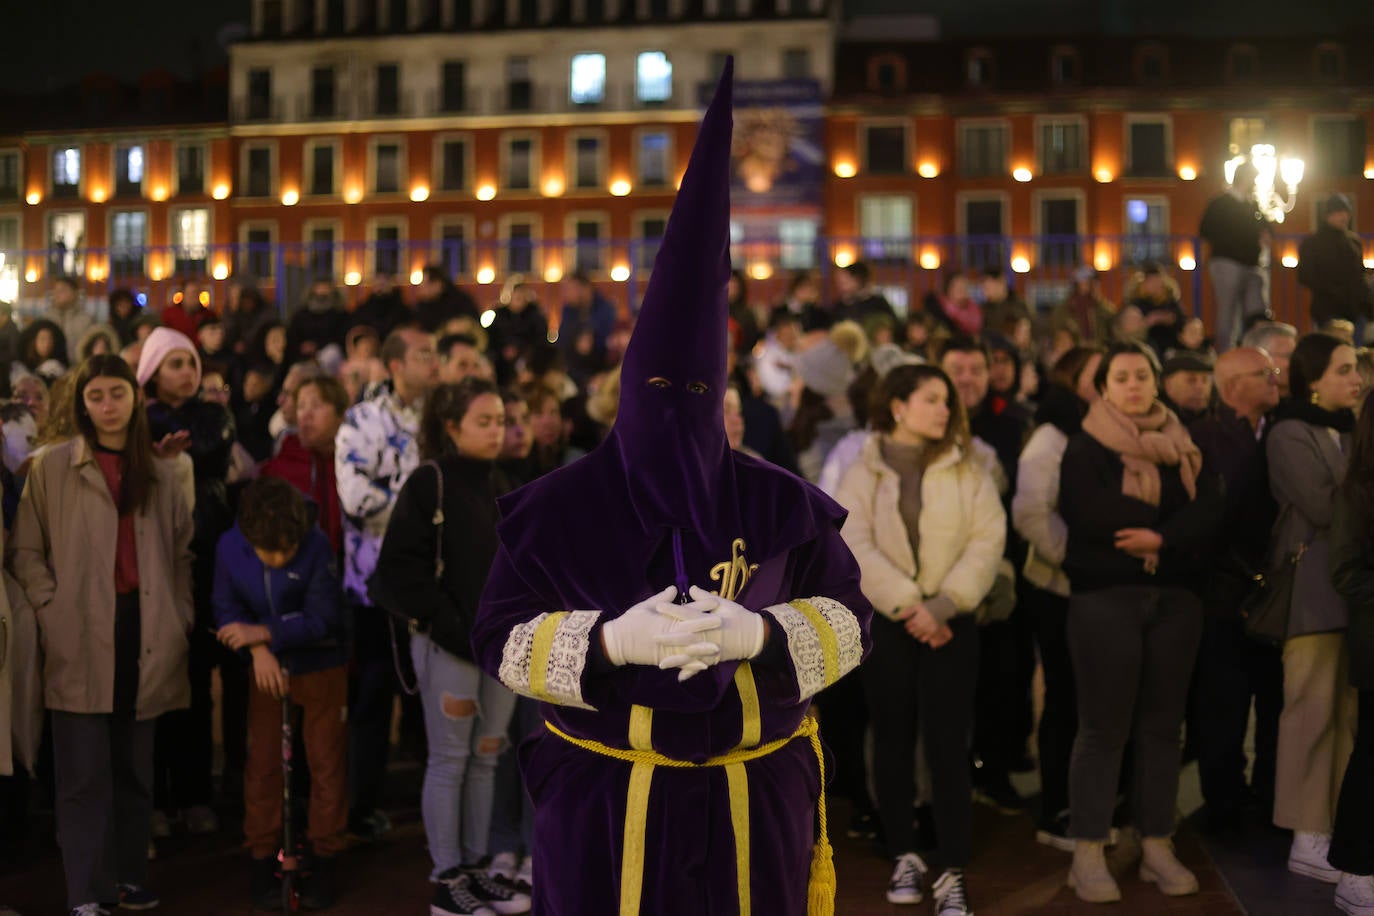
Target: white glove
{"points": [[741, 634], [656, 631]]}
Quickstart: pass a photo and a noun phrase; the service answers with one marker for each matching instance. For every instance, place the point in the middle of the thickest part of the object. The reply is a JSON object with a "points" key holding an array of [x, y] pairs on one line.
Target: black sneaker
{"points": [[318, 889], [863, 825], [1055, 833], [499, 895], [905, 884], [951, 894], [136, 897], [454, 897], [265, 884], [996, 791]]}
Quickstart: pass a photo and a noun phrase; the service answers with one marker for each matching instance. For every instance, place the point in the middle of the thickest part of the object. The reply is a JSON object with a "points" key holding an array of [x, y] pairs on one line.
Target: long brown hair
{"points": [[139, 472], [900, 384]]}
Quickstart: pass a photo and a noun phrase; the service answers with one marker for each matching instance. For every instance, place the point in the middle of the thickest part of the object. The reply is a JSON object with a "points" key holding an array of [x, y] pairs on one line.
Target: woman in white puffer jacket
{"points": [[927, 527], [1035, 515]]}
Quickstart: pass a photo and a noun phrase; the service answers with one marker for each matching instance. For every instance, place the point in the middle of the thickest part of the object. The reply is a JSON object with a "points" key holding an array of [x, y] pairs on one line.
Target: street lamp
{"points": [[1269, 167]]}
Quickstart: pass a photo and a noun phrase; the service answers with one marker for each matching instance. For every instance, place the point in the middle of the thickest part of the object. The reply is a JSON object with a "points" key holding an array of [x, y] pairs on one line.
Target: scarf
{"points": [[1342, 421], [964, 314], [1144, 443]]}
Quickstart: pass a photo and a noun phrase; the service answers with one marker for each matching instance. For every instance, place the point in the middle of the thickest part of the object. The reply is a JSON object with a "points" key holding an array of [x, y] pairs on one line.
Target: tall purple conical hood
{"points": [[670, 427]]}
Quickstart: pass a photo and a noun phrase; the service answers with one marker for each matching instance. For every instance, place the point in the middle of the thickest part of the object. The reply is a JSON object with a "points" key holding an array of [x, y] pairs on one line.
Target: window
{"points": [[519, 245], [586, 162], [386, 168], [1064, 67], [454, 245], [257, 179], [396, 15], [387, 100], [1152, 64], [128, 242], [519, 88], [658, 9], [334, 17], [653, 77], [128, 166], [1062, 147], [66, 172], [649, 238], [796, 63], [190, 160], [1329, 63], [191, 239], [1242, 64], [1243, 133], [983, 229], [884, 148], [273, 15], [321, 169], [979, 69], [587, 244], [257, 252], [320, 239], [1060, 224], [886, 74], [453, 91], [453, 165], [596, 10], [798, 244], [1148, 152], [9, 175], [259, 94], [66, 236], [462, 13], [587, 84], [982, 150], [1338, 145], [386, 250], [322, 92], [654, 146], [528, 12], [519, 171], [885, 227], [1147, 230]]}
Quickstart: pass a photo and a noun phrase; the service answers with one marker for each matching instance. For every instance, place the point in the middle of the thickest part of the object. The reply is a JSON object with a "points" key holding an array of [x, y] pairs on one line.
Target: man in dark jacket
{"points": [[1331, 265], [862, 302], [1233, 226], [1186, 387], [321, 321], [384, 309], [439, 301], [517, 328], [1232, 669]]}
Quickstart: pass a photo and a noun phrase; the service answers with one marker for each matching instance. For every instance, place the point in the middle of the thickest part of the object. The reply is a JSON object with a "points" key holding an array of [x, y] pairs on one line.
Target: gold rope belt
{"points": [[821, 885]]}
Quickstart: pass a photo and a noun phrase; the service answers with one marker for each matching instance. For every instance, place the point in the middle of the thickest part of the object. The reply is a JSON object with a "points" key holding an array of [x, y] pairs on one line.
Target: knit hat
{"points": [[1338, 203], [889, 356], [1184, 362], [828, 367], [159, 345]]}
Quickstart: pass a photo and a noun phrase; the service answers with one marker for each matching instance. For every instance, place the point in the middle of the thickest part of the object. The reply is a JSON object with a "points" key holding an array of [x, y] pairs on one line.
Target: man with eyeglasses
{"points": [[1232, 669], [375, 451]]}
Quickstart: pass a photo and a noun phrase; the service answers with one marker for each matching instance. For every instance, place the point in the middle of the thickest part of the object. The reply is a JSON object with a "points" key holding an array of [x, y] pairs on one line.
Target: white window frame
{"points": [[536, 161], [639, 99], [1080, 200], [812, 258], [142, 145], [402, 165], [570, 221], [891, 249], [908, 132], [961, 128], [275, 176], [670, 155], [1084, 143], [403, 269], [308, 167], [536, 223], [469, 236], [110, 236], [1152, 200], [1128, 151], [20, 185], [176, 165], [440, 140], [77, 255], [82, 170], [340, 250], [172, 243], [961, 201], [603, 157]]}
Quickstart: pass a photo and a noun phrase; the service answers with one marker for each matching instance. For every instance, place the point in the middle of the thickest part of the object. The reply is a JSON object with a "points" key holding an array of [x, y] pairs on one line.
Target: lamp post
{"points": [[1268, 167]]}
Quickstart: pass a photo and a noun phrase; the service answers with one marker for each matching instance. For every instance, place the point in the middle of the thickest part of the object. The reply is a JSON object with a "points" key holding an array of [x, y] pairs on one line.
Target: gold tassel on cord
{"points": [[820, 888]]}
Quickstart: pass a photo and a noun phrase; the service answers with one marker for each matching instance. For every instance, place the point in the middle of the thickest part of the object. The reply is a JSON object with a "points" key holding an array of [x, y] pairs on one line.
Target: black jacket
{"points": [[433, 314], [1232, 227], [1230, 449], [1331, 265], [382, 312], [321, 328], [513, 333], [405, 581], [1352, 572], [1094, 509]]}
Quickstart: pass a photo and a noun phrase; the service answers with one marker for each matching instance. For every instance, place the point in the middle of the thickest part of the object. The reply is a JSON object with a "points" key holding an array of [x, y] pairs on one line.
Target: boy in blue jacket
{"points": [[277, 597]]}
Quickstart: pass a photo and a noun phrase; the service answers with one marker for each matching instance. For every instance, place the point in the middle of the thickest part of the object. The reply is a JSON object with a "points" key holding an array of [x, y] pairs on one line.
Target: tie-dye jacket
{"points": [[376, 449]]}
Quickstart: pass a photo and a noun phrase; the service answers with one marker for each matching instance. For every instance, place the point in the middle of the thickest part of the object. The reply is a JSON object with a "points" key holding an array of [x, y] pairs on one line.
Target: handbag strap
{"points": [[438, 520]]}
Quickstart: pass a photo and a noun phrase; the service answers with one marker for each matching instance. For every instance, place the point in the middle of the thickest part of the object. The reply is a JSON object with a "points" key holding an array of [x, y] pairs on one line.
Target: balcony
{"points": [[257, 110]]}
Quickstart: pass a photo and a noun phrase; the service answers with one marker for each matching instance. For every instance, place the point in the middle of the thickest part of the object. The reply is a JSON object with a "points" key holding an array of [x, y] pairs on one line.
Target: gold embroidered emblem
{"points": [[734, 573]]}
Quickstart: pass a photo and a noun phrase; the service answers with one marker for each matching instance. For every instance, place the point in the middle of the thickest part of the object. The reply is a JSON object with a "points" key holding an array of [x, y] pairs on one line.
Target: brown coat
{"points": [[64, 555]]}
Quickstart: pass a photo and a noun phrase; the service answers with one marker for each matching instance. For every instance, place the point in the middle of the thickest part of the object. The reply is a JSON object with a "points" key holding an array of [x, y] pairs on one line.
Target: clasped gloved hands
{"points": [[690, 637]]}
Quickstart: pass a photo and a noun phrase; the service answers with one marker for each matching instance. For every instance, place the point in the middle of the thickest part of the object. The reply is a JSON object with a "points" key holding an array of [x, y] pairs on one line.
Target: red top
{"points": [[313, 475], [126, 544], [180, 318]]}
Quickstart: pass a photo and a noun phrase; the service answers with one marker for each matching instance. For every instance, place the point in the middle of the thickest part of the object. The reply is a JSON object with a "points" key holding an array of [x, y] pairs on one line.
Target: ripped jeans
{"points": [[466, 716]]}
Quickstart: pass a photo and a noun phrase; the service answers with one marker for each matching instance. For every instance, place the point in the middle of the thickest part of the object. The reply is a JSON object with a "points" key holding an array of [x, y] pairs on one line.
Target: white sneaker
{"points": [[905, 886], [201, 819], [503, 865], [161, 825], [951, 894], [526, 873], [1307, 856], [1355, 895]]}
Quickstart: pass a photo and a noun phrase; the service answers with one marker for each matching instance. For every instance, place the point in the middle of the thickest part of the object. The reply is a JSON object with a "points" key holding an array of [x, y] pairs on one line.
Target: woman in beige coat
{"points": [[102, 549], [927, 527]]}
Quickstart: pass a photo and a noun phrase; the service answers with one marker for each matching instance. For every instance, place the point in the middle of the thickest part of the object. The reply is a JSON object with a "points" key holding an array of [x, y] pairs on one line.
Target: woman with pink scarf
{"points": [[1141, 513]]}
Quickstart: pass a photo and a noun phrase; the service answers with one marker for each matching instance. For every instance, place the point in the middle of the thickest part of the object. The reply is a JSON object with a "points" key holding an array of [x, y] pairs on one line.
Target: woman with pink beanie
{"points": [[169, 372]]}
